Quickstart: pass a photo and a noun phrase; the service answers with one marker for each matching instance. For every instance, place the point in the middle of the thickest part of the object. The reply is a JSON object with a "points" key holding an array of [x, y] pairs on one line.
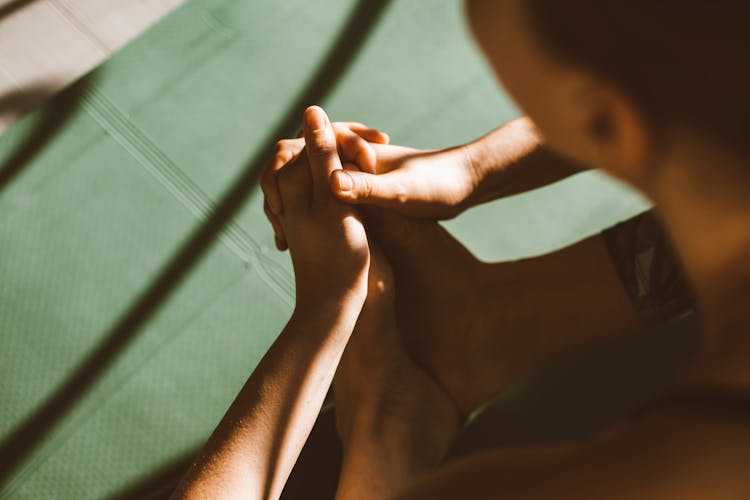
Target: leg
{"points": [[476, 327], [394, 420]]}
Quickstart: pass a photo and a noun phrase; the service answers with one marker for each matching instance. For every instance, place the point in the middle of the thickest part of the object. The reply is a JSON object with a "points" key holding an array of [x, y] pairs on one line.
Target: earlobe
{"points": [[602, 127]]}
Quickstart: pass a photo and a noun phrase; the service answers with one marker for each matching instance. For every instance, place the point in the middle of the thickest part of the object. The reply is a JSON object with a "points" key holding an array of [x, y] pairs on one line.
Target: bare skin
{"points": [[450, 321], [254, 448], [475, 326], [667, 452], [667, 455], [379, 392]]}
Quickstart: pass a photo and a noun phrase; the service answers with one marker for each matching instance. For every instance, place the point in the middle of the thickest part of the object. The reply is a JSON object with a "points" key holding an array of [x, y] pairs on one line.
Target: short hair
{"points": [[681, 62]]}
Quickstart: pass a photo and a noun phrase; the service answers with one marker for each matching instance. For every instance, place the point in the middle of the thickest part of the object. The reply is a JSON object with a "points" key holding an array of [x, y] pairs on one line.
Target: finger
{"points": [[295, 185], [271, 192], [288, 148], [286, 151], [278, 231], [360, 187], [367, 133], [322, 152], [354, 148]]}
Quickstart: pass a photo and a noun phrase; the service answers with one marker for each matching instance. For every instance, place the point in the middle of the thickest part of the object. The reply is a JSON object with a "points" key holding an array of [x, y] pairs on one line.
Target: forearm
{"points": [[254, 448], [513, 159]]}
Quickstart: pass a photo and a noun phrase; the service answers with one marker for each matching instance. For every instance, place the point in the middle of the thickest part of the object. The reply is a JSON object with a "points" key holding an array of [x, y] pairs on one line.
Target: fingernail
{"points": [[316, 118], [344, 181]]}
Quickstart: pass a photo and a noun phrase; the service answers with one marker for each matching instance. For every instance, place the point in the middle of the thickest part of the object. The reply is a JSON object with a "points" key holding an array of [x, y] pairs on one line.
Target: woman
{"points": [[653, 93]]}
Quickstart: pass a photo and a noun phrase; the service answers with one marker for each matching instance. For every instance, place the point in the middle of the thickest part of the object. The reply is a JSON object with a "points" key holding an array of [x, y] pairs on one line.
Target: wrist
{"points": [[492, 156], [317, 289], [337, 305], [331, 303], [473, 161]]}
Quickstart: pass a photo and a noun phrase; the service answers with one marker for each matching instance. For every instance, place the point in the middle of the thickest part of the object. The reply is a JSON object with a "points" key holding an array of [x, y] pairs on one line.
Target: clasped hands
{"points": [[313, 182], [320, 187]]}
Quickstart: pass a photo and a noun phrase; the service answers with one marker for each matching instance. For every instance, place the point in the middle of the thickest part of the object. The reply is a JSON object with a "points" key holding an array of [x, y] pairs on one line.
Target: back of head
{"points": [[681, 62]]}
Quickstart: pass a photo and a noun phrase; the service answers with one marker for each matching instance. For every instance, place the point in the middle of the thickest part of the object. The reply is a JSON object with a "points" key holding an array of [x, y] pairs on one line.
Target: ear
{"points": [[616, 132]]}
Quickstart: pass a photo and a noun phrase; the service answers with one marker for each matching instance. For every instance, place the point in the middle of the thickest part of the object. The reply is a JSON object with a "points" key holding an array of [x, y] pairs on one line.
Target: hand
{"points": [[352, 141], [425, 184], [326, 237]]}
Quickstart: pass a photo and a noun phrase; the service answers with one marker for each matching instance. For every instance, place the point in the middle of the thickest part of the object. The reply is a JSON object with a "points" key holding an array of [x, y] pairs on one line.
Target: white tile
{"points": [[52, 43], [116, 22]]}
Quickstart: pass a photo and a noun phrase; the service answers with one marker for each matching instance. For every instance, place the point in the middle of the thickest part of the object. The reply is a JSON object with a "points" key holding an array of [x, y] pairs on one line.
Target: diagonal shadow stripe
{"points": [[315, 474], [158, 483], [26, 437], [57, 112], [10, 7]]}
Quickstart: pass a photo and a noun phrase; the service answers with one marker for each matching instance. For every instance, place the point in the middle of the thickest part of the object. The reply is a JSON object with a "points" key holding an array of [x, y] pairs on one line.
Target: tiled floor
{"points": [[47, 44]]}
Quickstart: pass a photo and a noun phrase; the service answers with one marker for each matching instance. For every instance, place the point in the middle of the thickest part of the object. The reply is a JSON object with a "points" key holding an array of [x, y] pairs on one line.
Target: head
{"points": [[615, 84]]}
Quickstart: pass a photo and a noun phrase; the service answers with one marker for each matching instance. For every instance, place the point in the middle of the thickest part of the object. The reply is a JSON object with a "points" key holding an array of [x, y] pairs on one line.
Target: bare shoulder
{"points": [[682, 455]]}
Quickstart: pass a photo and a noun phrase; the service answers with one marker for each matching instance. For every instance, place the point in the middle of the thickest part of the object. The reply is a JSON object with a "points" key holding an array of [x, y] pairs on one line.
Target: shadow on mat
{"points": [[315, 475], [58, 111], [21, 441], [10, 7]]}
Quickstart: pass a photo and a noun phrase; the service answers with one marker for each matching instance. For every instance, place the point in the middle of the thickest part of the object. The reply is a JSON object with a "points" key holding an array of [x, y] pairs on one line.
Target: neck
{"points": [[703, 195]]}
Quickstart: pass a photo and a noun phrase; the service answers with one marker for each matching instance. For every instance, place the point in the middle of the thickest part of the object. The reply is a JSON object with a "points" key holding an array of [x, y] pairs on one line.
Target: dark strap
{"points": [[721, 401], [649, 268]]}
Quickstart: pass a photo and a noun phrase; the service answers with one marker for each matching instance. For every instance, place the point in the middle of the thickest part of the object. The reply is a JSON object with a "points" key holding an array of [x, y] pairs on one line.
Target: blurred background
{"points": [[125, 333]]}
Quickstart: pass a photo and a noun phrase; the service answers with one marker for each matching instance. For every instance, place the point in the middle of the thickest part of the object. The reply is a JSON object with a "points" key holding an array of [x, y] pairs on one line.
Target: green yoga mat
{"points": [[152, 140]]}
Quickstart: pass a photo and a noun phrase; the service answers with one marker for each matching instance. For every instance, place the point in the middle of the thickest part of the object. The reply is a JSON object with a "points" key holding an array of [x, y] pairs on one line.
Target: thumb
{"points": [[360, 187], [320, 144]]}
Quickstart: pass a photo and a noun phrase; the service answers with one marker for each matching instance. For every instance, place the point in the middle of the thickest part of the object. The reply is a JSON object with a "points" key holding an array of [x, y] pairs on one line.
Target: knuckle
{"points": [[293, 179], [285, 150], [366, 188], [400, 195], [360, 143]]}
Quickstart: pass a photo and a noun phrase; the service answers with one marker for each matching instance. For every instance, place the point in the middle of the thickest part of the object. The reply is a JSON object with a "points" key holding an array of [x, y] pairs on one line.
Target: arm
{"points": [[666, 456], [441, 184], [429, 184], [253, 449], [513, 159]]}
